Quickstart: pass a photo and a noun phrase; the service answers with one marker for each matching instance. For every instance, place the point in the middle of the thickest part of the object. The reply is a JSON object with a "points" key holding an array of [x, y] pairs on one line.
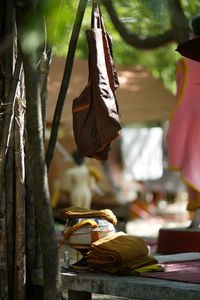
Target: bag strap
{"points": [[96, 15], [97, 22], [96, 19], [95, 235]]}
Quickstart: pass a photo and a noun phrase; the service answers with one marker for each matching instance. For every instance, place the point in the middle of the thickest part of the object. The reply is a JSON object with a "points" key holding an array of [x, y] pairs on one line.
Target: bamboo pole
{"points": [[65, 81]]}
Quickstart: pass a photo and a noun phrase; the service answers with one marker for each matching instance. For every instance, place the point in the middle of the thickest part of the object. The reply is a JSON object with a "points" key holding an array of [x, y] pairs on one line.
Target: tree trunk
{"points": [[34, 126], [39, 177], [6, 269], [33, 251], [20, 266], [10, 205], [3, 153]]}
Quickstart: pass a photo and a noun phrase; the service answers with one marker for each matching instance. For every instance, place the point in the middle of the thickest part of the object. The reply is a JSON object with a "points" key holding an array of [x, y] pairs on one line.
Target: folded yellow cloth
{"points": [[117, 248], [79, 212], [149, 268], [119, 252]]}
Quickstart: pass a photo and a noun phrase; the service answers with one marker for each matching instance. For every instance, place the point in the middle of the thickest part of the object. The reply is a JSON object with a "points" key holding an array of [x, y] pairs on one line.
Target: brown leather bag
{"points": [[95, 112]]}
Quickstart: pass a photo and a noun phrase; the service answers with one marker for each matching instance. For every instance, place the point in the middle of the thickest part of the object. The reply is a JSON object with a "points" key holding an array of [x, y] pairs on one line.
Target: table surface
{"points": [[133, 287]]}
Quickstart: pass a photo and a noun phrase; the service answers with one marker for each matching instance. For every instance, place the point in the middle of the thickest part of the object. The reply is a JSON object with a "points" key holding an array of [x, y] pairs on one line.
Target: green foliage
{"points": [[60, 16], [148, 19], [138, 18], [144, 18], [191, 8]]}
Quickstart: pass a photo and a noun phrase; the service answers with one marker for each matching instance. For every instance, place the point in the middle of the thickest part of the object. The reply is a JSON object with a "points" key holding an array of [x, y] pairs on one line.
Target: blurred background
{"points": [[135, 182]]}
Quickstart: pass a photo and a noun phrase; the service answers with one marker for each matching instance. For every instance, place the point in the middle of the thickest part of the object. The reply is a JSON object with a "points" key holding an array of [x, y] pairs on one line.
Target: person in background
{"points": [[183, 136]]}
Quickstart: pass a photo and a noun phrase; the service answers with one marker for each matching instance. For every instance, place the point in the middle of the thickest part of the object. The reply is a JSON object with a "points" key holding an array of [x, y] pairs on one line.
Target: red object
{"points": [[186, 271], [178, 240]]}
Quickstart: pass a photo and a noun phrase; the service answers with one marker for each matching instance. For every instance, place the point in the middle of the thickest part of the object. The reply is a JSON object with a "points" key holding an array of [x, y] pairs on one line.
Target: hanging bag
{"points": [[95, 112]]}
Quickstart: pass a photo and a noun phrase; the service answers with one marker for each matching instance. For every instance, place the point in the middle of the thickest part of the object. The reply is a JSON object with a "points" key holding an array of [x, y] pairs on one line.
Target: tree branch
{"points": [[179, 21], [133, 39], [43, 70]]}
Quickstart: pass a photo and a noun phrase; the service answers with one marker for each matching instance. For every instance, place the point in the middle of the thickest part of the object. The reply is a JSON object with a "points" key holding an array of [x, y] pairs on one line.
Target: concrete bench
{"points": [[80, 286]]}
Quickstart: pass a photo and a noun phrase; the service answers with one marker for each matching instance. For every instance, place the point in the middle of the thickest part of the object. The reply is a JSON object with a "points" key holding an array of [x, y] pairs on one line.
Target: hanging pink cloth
{"points": [[184, 131]]}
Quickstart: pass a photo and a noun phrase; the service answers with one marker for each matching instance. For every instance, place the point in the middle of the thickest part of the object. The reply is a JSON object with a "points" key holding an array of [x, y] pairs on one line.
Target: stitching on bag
{"points": [[80, 108]]}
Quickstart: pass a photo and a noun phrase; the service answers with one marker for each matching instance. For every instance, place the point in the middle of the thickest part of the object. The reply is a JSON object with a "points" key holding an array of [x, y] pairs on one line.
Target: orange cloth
{"points": [[79, 212], [119, 252]]}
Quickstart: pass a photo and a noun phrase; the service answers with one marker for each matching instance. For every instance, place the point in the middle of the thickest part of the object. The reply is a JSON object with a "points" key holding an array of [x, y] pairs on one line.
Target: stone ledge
{"points": [[132, 287]]}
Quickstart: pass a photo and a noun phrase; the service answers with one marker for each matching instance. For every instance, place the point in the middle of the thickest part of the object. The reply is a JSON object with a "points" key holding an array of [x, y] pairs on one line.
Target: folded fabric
{"points": [[149, 268], [119, 253], [79, 212], [138, 265]]}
